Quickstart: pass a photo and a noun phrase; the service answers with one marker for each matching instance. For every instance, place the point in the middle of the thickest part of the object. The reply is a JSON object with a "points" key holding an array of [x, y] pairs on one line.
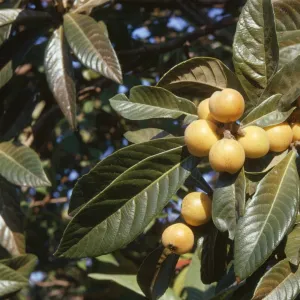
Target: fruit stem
{"points": [[227, 134]]}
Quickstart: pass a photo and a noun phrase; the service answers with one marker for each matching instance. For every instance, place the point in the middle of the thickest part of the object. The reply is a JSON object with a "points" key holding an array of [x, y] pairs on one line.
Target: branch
{"points": [[180, 41]]}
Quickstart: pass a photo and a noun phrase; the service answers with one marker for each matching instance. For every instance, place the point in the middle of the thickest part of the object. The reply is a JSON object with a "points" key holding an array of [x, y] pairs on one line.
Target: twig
{"points": [[48, 200]]}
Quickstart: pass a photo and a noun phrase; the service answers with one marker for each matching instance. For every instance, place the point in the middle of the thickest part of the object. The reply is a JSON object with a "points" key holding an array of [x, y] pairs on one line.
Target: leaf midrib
{"points": [[271, 209]]}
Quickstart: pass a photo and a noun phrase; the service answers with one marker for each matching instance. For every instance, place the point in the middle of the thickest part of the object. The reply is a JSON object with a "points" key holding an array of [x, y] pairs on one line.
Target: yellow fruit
{"points": [[296, 132], [255, 142], [199, 137], [226, 106], [227, 155], [196, 208], [280, 136], [178, 238], [203, 111]]}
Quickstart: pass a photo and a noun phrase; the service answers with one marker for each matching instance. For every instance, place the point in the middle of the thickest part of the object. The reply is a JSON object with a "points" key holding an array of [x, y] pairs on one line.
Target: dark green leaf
{"points": [[23, 264], [285, 82], [10, 281], [11, 219], [114, 219], [199, 74], [146, 134], [292, 247], [156, 272], [229, 201], [255, 49], [147, 102], [87, 5], [213, 255], [10, 4], [21, 165], [200, 182], [59, 72], [128, 281], [267, 113], [91, 45], [287, 15], [269, 215], [280, 282], [287, 54], [19, 16], [105, 172]]}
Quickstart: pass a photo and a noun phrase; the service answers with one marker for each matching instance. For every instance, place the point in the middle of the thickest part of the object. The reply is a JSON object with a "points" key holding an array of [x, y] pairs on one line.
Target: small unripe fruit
{"points": [[178, 238], [255, 142], [226, 106], [196, 208], [203, 111], [199, 137], [227, 155], [280, 136], [296, 132]]}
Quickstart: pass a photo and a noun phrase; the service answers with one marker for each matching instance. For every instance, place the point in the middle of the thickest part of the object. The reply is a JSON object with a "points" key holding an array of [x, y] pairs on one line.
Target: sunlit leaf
{"points": [[199, 75], [146, 134], [268, 216], [110, 220], [11, 219], [287, 54], [255, 49], [59, 72], [229, 201], [87, 5], [91, 45], [23, 264], [147, 102], [10, 281], [21, 165], [280, 282], [267, 113], [292, 247]]}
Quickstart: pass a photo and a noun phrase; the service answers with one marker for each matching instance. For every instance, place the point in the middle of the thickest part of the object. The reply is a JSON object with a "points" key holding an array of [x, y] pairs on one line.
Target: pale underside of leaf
{"points": [[147, 187], [21, 165], [255, 49], [279, 283], [59, 72], [91, 45], [7, 16], [146, 134], [269, 215]]}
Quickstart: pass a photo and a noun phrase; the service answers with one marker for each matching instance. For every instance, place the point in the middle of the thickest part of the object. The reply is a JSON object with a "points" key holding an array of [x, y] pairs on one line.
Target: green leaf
{"points": [[108, 258], [10, 281], [287, 54], [269, 215], [21, 165], [4, 33], [91, 45], [267, 113], [11, 219], [19, 16], [287, 15], [87, 5], [285, 82], [228, 203], [146, 134], [148, 102], [200, 182], [292, 247], [200, 74], [127, 281], [106, 171], [156, 272], [255, 49], [213, 255], [194, 288], [114, 219], [59, 72], [23, 264], [280, 282], [10, 4]]}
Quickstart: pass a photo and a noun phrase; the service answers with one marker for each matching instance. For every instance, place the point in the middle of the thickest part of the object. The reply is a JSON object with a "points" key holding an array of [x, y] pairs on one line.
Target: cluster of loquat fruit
{"points": [[218, 115]]}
